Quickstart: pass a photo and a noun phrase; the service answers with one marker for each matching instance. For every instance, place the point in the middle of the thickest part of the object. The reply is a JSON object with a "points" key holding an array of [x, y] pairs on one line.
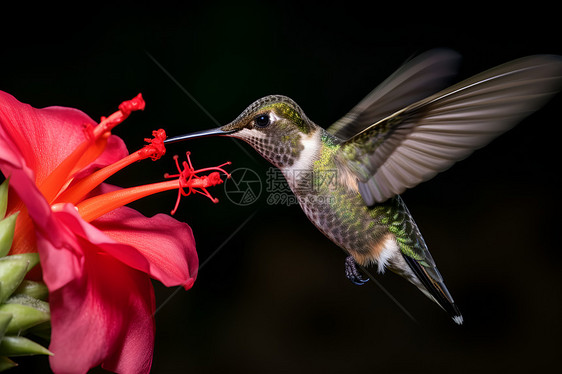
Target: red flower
{"points": [[97, 257]]}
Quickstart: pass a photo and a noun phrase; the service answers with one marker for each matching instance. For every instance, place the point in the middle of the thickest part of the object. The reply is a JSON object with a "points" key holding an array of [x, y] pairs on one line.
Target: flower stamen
{"points": [[125, 109], [88, 150], [155, 149], [186, 179], [189, 179]]}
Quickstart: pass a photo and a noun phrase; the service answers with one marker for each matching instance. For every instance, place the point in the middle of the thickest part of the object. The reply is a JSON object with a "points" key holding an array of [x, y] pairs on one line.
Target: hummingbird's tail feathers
{"points": [[435, 290]]}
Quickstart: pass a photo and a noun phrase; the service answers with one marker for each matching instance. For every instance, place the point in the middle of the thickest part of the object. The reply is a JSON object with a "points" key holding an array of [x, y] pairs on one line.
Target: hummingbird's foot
{"points": [[352, 273]]}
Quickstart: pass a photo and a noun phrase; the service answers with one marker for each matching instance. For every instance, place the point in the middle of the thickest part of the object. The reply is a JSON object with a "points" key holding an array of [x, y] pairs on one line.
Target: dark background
{"points": [[274, 298]]}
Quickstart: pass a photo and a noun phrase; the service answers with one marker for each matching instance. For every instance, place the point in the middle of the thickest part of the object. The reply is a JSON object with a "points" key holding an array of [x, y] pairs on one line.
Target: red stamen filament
{"points": [[155, 149], [188, 178], [88, 150], [125, 109], [97, 206]]}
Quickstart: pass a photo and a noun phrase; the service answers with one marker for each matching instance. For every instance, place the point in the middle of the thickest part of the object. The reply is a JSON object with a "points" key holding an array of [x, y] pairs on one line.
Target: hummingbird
{"points": [[348, 177]]}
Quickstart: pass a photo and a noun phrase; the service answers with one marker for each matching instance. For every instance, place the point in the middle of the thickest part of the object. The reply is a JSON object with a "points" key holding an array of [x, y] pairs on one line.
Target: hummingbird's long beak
{"points": [[199, 134]]}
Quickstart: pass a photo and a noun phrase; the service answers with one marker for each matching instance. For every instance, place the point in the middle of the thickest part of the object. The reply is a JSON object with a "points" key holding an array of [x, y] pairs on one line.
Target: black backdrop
{"points": [[274, 298]]}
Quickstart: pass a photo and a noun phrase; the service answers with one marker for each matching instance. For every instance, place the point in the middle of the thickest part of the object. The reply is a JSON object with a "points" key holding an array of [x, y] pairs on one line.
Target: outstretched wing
{"points": [[415, 143], [415, 80]]}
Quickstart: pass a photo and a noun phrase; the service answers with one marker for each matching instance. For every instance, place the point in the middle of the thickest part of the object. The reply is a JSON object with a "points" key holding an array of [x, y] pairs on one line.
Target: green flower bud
{"points": [[3, 197], [12, 271], [7, 227], [20, 346], [26, 312], [37, 290], [5, 319], [6, 363], [42, 331]]}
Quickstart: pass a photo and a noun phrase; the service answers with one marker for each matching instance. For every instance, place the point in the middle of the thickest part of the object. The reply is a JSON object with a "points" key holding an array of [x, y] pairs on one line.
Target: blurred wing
{"points": [[416, 80], [427, 137]]}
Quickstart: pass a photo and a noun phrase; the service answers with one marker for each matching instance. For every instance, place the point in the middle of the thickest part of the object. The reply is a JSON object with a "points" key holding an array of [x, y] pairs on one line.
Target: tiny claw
{"points": [[352, 273]]}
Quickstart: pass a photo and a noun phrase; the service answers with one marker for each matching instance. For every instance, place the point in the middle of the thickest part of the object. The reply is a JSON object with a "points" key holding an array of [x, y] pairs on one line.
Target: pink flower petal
{"points": [[166, 243], [159, 246], [22, 184], [103, 315], [114, 151], [73, 226], [44, 137]]}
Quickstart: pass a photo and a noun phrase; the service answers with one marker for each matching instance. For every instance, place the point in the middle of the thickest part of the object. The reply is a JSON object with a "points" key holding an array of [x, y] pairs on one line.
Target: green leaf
{"points": [[4, 197], [12, 272], [34, 289], [25, 315], [7, 227], [5, 319], [29, 301], [31, 258], [6, 363], [42, 331], [20, 346]]}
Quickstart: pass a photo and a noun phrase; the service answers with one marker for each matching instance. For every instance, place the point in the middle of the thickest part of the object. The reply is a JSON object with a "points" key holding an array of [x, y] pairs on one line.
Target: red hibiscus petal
{"points": [[167, 244], [96, 295], [103, 315], [44, 137], [22, 184], [73, 226], [114, 151], [159, 246]]}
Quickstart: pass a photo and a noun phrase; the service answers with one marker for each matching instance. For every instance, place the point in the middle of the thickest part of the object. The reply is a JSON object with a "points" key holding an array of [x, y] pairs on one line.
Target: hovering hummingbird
{"points": [[403, 133]]}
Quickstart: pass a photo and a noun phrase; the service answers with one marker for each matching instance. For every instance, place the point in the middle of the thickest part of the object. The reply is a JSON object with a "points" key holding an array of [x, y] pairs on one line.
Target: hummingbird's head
{"points": [[275, 126]]}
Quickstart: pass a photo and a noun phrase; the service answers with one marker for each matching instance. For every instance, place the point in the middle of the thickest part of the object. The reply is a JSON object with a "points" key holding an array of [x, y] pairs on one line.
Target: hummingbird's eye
{"points": [[262, 120]]}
